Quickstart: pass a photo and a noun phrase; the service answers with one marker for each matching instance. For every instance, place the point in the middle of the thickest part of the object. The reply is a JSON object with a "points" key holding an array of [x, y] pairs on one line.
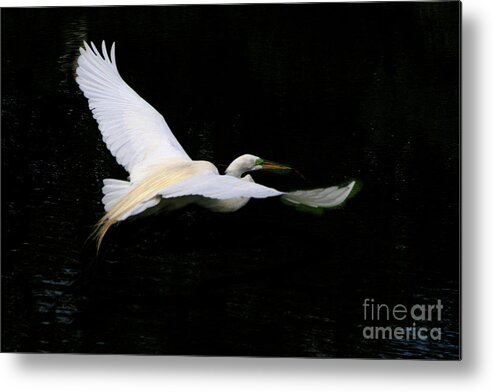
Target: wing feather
{"points": [[134, 132], [321, 197], [220, 187], [224, 187]]}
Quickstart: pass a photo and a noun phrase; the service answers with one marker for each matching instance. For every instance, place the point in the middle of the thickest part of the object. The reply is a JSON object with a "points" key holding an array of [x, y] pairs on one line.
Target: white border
{"points": [[140, 373]]}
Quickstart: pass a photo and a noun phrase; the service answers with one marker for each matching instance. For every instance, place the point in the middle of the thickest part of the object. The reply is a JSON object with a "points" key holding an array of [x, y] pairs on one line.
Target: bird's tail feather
{"points": [[123, 199], [113, 191]]}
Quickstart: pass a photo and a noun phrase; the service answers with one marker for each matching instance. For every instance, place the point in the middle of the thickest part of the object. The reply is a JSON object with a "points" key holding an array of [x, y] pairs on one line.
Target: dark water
{"points": [[366, 91]]}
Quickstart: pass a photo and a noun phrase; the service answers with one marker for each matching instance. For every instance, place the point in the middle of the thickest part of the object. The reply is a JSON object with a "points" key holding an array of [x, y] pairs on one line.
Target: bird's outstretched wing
{"points": [[220, 187], [228, 187], [135, 133]]}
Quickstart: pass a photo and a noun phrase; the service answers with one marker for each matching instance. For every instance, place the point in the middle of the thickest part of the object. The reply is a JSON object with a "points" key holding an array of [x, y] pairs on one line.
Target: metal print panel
{"points": [[233, 180]]}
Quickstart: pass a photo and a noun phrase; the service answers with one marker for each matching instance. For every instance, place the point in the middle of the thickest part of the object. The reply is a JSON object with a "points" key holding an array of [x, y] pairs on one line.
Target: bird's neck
{"points": [[235, 170]]}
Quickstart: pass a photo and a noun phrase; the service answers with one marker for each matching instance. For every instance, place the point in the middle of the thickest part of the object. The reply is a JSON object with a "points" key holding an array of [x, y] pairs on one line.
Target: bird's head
{"points": [[248, 162]]}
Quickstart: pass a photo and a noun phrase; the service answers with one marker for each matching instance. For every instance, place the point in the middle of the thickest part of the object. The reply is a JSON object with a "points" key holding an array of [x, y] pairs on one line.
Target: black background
{"points": [[339, 91]]}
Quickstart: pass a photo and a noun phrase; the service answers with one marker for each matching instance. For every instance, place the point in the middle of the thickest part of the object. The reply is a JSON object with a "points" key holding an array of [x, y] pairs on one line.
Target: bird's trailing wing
{"points": [[135, 133], [228, 187]]}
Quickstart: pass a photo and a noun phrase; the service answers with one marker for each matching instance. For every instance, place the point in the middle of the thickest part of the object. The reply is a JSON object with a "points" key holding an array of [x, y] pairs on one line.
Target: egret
{"points": [[162, 176]]}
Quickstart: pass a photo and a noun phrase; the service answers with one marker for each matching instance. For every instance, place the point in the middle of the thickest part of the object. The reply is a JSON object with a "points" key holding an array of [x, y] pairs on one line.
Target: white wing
{"points": [[224, 187], [135, 133], [220, 187], [322, 197]]}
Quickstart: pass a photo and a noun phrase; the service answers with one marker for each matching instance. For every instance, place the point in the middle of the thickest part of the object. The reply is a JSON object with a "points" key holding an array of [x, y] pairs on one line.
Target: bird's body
{"points": [[162, 175]]}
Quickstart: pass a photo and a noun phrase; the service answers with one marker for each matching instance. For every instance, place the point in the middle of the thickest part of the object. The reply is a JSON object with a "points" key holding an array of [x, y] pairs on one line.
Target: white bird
{"points": [[162, 175]]}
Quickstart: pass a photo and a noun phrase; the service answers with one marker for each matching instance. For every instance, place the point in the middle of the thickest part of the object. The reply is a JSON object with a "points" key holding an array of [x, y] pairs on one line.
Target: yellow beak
{"points": [[267, 165]]}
